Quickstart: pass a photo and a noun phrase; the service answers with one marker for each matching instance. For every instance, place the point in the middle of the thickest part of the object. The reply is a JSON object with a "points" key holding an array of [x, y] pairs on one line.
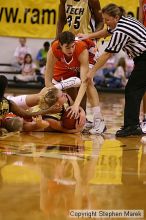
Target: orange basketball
{"points": [[67, 122]]}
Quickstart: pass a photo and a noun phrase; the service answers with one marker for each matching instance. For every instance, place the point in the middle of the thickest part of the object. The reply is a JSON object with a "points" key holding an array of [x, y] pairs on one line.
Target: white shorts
{"points": [[19, 100]]}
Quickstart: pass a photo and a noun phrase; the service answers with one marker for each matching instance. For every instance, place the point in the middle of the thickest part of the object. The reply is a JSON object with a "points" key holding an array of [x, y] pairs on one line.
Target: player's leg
{"points": [[98, 121], [25, 101], [54, 125], [37, 124]]}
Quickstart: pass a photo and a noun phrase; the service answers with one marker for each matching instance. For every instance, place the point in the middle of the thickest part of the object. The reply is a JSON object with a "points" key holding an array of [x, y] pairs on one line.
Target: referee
{"points": [[128, 34]]}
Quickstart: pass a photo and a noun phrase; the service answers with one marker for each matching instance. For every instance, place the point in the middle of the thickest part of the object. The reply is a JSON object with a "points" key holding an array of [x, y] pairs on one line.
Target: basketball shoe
{"points": [[129, 130], [68, 83], [89, 124], [98, 126]]}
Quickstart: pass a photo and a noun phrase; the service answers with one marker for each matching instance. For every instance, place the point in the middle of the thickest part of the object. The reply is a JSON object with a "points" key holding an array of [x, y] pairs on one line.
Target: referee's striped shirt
{"points": [[129, 35]]}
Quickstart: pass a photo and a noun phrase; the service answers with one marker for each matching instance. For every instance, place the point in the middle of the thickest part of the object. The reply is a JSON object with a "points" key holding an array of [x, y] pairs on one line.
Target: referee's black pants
{"points": [[134, 91]]}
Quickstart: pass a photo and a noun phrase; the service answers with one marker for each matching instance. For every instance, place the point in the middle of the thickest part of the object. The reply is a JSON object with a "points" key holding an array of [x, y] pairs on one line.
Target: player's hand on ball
{"points": [[74, 111]]}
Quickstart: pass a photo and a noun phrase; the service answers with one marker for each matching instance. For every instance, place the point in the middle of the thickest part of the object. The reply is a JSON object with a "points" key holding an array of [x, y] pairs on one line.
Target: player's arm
{"points": [[61, 17], [101, 61], [82, 115], [84, 67], [140, 14], [37, 124], [23, 113], [18, 110], [95, 35], [96, 13], [99, 34], [51, 60], [56, 125]]}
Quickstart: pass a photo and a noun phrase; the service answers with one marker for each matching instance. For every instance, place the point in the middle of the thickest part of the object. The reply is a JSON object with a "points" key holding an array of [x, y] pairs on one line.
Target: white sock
{"points": [[96, 112]]}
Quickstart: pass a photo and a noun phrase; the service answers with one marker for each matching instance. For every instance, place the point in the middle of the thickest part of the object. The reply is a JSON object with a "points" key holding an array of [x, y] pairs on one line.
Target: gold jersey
{"points": [[4, 109], [78, 16]]}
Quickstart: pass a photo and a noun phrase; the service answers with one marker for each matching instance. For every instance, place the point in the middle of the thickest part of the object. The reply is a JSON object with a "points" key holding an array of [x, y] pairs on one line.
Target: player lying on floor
{"points": [[59, 122], [11, 115], [55, 98], [30, 100]]}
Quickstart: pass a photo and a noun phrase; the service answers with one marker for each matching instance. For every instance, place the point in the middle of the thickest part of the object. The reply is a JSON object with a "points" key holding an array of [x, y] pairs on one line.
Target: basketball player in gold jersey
{"points": [[82, 16]]}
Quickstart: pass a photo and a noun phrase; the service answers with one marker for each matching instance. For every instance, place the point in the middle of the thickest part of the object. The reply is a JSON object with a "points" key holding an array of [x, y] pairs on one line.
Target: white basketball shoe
{"points": [[98, 126]]}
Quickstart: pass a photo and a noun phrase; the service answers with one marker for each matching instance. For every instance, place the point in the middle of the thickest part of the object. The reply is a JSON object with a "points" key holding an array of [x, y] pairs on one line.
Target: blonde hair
{"points": [[49, 99]]}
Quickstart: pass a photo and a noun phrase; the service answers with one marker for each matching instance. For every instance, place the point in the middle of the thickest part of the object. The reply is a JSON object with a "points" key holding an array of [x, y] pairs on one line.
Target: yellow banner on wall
{"points": [[38, 18], [29, 18]]}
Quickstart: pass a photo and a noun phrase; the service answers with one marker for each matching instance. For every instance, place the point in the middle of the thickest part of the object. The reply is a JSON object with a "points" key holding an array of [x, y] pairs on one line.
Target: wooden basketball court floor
{"points": [[43, 176]]}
